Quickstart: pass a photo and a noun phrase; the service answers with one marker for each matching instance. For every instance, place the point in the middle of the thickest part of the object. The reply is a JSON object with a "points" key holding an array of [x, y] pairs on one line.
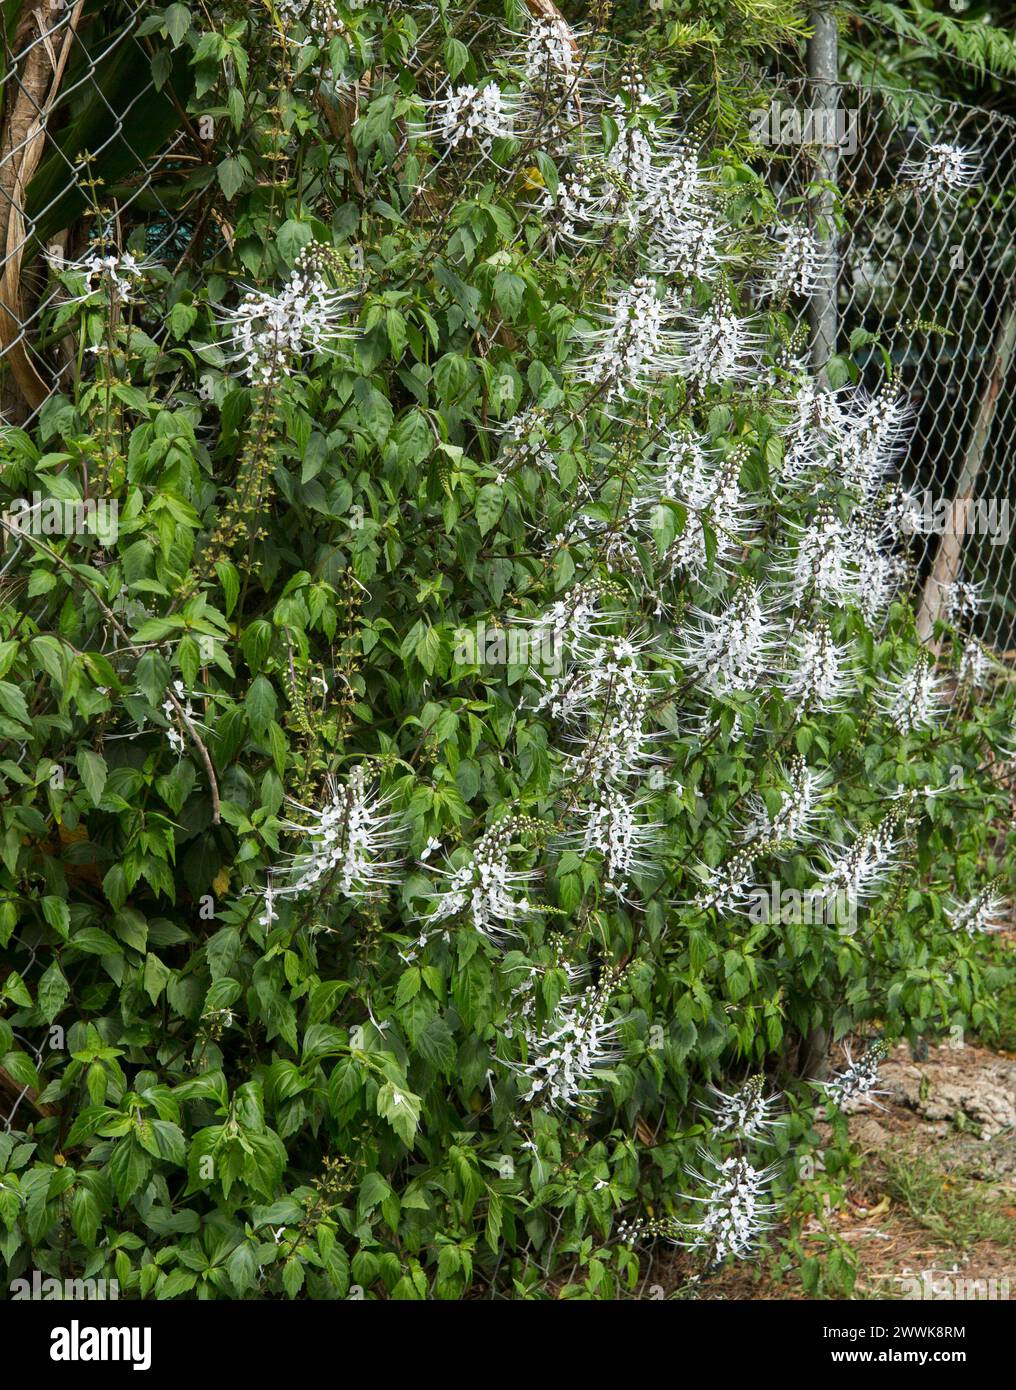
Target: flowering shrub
{"points": [[343, 960]]}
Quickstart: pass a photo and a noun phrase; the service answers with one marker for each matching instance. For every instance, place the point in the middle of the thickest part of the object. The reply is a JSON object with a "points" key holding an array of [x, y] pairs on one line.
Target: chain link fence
{"points": [[87, 131], [928, 284], [87, 135], [92, 145]]}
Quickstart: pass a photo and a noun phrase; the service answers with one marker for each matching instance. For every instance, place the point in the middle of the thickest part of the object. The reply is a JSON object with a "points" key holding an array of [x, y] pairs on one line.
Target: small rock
{"points": [[870, 1134]]}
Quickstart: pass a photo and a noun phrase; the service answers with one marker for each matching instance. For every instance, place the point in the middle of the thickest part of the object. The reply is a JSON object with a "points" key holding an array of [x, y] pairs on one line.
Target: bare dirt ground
{"points": [[931, 1213], [935, 1203]]}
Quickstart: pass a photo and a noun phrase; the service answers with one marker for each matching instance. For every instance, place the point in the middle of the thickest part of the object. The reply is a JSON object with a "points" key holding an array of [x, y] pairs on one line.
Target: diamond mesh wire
{"points": [[924, 284], [931, 281], [78, 107], [927, 284], [77, 93], [935, 279]]}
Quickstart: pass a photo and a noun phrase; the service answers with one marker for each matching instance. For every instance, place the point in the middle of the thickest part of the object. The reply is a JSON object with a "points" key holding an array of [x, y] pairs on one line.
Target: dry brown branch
{"points": [[10, 1087], [21, 146]]}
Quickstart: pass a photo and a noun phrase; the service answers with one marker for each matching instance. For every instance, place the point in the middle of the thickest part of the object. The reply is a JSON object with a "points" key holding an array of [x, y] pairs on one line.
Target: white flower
{"points": [[941, 168], [727, 886], [568, 1057], [525, 441], [817, 423], [857, 438], [680, 465], [859, 1079], [633, 88], [867, 441], [857, 871], [799, 262], [319, 15], [878, 574], [599, 667], [632, 158], [820, 675], [221, 1018], [612, 538], [605, 695], [683, 233], [523, 999], [610, 826], [578, 210], [570, 621], [823, 567], [550, 57], [267, 917], [614, 748], [747, 1113], [349, 842], [468, 113], [635, 345], [799, 806], [720, 346], [173, 735], [267, 330], [486, 886], [914, 698], [117, 274], [987, 912], [899, 514], [975, 665], [735, 649], [961, 600], [710, 492], [735, 1212]]}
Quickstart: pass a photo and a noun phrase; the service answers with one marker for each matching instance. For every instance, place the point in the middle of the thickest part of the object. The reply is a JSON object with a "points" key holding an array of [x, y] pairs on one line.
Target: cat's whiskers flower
{"points": [[350, 842], [988, 911]]}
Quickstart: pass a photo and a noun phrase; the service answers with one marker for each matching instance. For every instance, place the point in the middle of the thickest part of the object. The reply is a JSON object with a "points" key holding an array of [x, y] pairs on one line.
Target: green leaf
{"points": [[231, 177], [292, 1276], [242, 1267], [456, 56], [57, 914], [401, 1109], [19, 1068], [86, 1215], [156, 977], [291, 238], [92, 767], [229, 578], [373, 1191], [176, 22], [12, 702], [52, 992], [489, 507], [437, 1046], [428, 650], [260, 705], [129, 1167]]}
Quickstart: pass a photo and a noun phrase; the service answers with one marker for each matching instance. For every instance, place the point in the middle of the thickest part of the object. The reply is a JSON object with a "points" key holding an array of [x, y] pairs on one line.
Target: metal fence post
{"points": [[823, 74]]}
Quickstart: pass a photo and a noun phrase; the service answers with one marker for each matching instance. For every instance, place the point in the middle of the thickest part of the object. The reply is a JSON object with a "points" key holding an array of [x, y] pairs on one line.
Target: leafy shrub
{"points": [[497, 604]]}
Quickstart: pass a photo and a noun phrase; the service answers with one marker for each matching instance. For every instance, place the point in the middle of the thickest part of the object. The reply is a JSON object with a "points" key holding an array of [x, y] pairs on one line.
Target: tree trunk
{"points": [[813, 1064], [947, 561]]}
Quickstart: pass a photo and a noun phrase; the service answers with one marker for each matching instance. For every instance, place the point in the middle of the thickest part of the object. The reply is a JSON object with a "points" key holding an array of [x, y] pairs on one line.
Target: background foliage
{"points": [[303, 558]]}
